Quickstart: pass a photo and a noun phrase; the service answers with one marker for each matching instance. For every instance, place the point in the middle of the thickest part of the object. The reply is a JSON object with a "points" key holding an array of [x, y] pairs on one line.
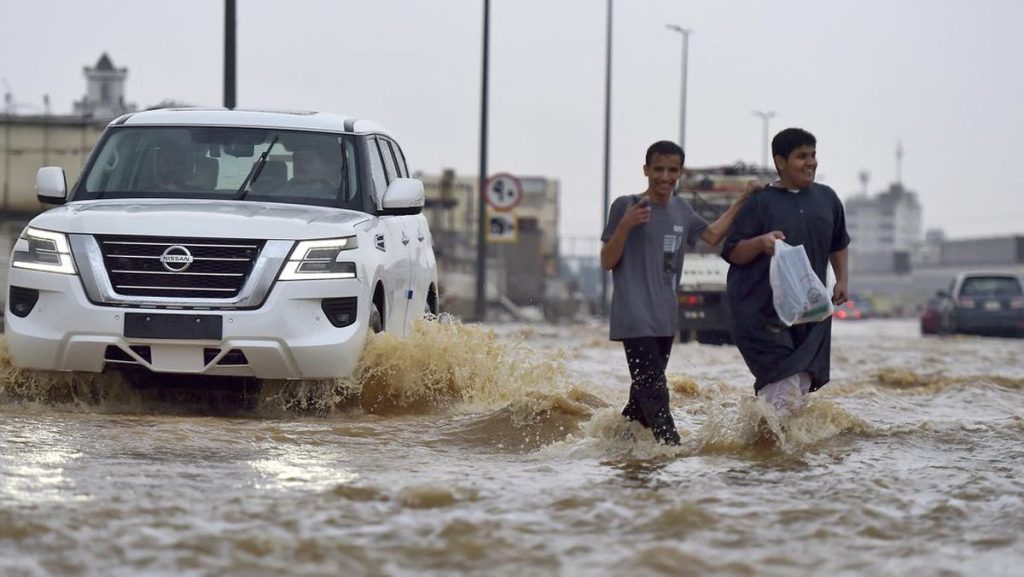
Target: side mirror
{"points": [[942, 294], [403, 196], [51, 185]]}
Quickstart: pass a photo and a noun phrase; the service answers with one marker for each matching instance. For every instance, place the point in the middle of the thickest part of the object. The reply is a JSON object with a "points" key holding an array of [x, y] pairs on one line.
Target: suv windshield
{"points": [[200, 162]]}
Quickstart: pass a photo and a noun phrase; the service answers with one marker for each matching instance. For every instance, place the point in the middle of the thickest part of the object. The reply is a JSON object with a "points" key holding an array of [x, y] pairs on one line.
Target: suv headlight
{"points": [[43, 250], [320, 259]]}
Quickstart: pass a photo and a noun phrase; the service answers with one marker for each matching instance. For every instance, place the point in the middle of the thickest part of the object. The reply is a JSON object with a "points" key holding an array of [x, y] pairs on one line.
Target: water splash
{"points": [[532, 421], [439, 366], [60, 388], [448, 365], [754, 425]]}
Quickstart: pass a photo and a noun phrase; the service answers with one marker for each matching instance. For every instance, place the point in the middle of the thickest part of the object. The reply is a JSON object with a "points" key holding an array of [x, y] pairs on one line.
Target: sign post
{"points": [[503, 192]]}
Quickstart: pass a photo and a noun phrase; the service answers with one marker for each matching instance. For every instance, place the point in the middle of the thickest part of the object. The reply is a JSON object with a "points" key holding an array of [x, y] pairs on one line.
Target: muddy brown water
{"points": [[499, 451]]}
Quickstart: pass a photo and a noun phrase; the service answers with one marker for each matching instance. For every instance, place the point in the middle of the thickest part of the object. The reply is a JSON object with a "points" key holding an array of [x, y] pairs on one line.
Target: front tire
{"points": [[376, 323], [431, 308]]}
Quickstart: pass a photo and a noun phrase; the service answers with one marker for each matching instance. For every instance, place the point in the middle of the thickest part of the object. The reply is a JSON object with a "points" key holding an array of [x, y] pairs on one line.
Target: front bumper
{"points": [[288, 337]]}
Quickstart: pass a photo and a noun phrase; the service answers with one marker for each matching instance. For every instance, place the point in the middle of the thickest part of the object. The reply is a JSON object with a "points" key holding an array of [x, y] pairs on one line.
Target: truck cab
{"points": [[703, 307]]}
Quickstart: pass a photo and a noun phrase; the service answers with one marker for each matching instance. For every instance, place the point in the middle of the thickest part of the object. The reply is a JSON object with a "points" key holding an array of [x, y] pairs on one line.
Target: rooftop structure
{"points": [[104, 95]]}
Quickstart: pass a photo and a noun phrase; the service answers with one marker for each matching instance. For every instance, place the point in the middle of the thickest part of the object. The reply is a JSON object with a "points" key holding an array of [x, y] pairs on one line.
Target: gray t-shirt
{"points": [[645, 279]]}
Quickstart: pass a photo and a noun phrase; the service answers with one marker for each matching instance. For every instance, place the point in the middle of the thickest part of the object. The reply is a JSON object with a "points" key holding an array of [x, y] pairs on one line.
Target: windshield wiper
{"points": [[257, 169]]}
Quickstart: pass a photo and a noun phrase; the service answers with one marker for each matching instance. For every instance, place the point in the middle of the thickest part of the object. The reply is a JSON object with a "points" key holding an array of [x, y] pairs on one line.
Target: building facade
{"points": [[888, 221], [885, 230], [104, 91], [520, 269], [30, 142]]}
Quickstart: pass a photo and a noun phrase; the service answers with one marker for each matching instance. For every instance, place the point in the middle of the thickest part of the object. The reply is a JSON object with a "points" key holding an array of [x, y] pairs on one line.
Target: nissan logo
{"points": [[176, 258]]}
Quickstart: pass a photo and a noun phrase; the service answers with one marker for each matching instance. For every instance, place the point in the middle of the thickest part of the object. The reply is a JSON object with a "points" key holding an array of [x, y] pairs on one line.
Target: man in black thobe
{"points": [[787, 362]]}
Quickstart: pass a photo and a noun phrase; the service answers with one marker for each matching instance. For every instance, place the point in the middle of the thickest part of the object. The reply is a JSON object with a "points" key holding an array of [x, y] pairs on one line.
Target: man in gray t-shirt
{"points": [[643, 247]]}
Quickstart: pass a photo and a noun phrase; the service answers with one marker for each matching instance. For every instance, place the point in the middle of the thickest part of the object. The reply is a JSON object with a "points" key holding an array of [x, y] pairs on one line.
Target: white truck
{"points": [[703, 307], [223, 242]]}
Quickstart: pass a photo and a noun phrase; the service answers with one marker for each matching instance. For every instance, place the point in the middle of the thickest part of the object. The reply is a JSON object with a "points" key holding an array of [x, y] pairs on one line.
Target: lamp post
{"points": [[607, 143], [682, 94], [230, 56], [766, 116], [480, 308]]}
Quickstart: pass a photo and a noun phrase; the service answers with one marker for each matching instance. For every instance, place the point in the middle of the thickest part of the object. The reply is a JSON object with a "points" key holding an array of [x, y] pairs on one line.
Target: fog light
{"points": [[341, 312], [22, 300]]}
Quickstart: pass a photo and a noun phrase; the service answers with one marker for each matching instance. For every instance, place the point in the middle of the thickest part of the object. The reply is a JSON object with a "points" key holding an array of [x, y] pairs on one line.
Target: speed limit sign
{"points": [[503, 192]]}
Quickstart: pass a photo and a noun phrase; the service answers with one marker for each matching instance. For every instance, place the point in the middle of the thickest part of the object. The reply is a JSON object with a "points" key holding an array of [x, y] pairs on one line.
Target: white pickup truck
{"points": [[223, 242]]}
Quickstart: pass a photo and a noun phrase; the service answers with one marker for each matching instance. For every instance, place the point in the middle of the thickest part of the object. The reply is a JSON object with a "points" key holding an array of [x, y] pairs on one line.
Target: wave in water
{"points": [[509, 397], [444, 365]]}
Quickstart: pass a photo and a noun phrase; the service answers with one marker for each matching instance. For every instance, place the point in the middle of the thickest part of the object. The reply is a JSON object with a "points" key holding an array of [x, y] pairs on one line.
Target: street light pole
{"points": [[607, 144], [682, 93], [480, 308], [766, 116], [230, 57]]}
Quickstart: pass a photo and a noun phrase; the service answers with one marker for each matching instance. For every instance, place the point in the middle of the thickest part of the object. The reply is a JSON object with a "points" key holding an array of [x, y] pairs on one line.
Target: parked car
{"points": [[984, 304], [222, 242]]}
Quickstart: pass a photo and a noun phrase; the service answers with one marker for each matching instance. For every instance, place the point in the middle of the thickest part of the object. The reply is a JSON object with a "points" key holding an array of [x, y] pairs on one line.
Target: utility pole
{"points": [[682, 93], [607, 145], [481, 211], [766, 116], [229, 54]]}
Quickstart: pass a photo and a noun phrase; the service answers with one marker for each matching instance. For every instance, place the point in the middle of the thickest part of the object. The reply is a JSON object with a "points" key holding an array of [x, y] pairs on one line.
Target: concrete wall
{"points": [[524, 266], [983, 251], [28, 143]]}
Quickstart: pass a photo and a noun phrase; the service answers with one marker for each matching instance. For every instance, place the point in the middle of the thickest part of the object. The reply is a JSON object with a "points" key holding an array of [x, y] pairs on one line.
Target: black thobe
{"points": [[813, 217]]}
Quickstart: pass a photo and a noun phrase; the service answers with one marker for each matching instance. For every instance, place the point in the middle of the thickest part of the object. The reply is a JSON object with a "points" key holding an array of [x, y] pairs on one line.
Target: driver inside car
{"points": [[315, 172]]}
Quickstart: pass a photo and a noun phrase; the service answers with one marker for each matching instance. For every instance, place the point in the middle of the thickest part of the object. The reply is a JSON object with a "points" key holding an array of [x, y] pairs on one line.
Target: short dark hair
{"points": [[665, 148], [791, 139]]}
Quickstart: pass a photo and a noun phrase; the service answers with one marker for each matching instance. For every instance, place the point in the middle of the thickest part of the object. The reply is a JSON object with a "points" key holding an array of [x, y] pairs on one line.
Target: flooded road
{"points": [[499, 451]]}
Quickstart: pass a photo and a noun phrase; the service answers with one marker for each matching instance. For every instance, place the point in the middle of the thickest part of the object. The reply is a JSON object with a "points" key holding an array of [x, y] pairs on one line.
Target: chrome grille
{"points": [[218, 270]]}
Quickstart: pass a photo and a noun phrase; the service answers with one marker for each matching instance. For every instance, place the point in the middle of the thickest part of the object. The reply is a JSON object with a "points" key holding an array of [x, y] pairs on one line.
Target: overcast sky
{"points": [[944, 77]]}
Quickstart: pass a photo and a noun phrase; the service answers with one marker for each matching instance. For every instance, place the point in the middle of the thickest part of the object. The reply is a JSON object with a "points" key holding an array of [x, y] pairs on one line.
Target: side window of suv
{"points": [[380, 181], [403, 168], [389, 159]]}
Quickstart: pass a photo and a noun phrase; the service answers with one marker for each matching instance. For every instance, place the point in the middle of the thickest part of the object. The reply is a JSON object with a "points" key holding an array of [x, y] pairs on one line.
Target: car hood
{"points": [[200, 218]]}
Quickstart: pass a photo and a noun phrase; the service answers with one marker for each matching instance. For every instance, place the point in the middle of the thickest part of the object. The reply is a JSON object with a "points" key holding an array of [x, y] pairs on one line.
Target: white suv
{"points": [[220, 242]]}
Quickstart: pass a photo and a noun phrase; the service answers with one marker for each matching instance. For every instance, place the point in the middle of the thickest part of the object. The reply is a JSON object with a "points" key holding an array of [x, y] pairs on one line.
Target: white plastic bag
{"points": [[798, 294]]}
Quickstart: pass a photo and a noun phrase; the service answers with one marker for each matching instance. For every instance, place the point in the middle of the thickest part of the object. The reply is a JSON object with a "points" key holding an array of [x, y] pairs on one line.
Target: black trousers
{"points": [[648, 405]]}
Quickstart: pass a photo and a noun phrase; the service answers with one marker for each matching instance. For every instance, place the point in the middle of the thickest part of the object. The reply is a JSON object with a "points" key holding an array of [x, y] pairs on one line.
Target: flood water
{"points": [[499, 451]]}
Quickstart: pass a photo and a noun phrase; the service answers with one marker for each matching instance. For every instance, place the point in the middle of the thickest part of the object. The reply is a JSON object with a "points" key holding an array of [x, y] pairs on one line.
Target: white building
{"points": [[104, 94], [887, 222]]}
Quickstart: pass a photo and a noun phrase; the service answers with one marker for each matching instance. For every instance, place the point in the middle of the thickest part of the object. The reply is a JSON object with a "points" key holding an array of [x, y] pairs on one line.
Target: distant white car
{"points": [[220, 242]]}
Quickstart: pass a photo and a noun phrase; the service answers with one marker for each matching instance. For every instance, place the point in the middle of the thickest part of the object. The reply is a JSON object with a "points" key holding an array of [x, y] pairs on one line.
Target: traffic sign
{"points": [[503, 192], [502, 227]]}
